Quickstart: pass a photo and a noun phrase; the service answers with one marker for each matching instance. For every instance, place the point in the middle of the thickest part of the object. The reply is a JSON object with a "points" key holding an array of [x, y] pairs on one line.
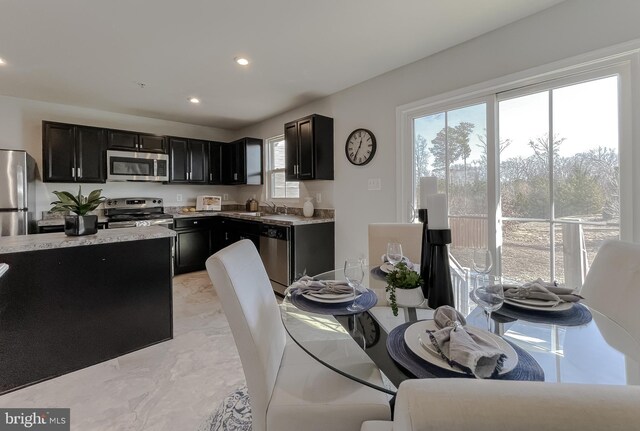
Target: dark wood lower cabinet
{"points": [[68, 308], [193, 248]]}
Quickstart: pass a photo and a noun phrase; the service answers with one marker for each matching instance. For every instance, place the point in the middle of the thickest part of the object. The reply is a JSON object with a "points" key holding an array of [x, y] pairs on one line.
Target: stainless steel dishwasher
{"points": [[275, 252]]}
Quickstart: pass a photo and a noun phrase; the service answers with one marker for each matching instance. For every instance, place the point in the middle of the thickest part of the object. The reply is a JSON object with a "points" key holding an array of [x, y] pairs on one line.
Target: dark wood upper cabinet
{"points": [[215, 163], [73, 153], [90, 154], [123, 140], [189, 161], [152, 143], [241, 161], [309, 148], [134, 141]]}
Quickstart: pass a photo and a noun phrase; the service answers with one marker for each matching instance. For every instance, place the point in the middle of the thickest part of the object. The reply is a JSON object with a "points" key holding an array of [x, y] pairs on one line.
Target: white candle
{"points": [[428, 186], [438, 211]]}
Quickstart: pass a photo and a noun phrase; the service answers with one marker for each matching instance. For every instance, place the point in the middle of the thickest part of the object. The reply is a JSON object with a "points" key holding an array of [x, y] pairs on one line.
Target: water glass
{"points": [[394, 253], [490, 296], [354, 273]]}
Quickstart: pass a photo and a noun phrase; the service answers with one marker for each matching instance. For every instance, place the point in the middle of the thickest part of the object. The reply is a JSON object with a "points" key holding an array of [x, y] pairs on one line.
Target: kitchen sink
{"points": [[252, 214]]}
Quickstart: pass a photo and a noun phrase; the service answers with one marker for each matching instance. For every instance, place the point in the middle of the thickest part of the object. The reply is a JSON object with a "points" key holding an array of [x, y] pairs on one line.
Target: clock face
{"points": [[360, 147]]}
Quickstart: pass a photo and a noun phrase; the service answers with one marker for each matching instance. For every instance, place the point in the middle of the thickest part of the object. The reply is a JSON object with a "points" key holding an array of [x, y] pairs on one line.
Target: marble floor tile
{"points": [[171, 386]]}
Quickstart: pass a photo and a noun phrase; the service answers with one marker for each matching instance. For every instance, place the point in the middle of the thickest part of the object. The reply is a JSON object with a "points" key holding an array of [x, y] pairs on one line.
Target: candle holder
{"points": [[424, 252], [438, 281]]}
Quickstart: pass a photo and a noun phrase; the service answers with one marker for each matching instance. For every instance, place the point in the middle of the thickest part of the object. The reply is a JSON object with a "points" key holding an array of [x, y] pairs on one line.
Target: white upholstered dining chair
{"points": [[612, 286], [496, 405], [407, 234], [288, 389]]}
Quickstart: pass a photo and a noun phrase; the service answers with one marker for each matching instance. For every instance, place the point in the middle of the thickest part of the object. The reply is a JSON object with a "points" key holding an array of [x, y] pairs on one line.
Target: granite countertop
{"points": [[47, 241], [59, 221], [280, 219]]}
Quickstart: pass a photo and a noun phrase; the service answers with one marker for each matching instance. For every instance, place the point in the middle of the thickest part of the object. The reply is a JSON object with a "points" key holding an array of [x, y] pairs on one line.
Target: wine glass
{"points": [[482, 263], [489, 296], [354, 273], [394, 253]]}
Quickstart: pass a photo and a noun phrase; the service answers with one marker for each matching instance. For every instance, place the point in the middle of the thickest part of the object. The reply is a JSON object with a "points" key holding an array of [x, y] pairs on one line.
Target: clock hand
{"points": [[359, 146]]}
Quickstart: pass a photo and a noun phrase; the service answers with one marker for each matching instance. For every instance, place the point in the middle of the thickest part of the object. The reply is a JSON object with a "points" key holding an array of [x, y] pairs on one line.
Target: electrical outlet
{"points": [[178, 197], [374, 184], [225, 197], [319, 197]]}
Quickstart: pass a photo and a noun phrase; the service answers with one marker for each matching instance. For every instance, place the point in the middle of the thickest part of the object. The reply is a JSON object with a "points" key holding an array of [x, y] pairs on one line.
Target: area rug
{"points": [[232, 414]]}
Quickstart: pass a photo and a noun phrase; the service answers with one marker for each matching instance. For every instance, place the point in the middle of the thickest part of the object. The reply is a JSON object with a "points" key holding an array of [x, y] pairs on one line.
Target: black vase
{"points": [[75, 225], [439, 281], [424, 253]]}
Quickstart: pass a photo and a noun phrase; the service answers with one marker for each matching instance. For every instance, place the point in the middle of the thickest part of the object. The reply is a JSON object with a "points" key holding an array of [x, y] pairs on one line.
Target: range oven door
{"points": [[133, 166]]}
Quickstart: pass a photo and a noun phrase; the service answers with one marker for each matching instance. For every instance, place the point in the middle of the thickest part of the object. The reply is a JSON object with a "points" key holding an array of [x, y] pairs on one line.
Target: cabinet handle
{"points": [[73, 172], [235, 176], [195, 222], [79, 172], [210, 177], [226, 236]]}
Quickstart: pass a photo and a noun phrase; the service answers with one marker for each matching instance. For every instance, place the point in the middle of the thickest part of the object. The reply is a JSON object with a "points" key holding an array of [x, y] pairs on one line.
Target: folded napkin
{"points": [[539, 289], [461, 348], [308, 285]]}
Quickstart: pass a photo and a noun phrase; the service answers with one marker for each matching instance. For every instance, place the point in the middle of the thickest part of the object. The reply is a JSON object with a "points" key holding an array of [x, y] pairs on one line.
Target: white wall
{"points": [[569, 29], [21, 128]]}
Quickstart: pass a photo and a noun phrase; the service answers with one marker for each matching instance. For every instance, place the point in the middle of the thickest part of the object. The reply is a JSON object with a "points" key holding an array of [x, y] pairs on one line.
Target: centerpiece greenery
{"points": [[81, 223], [401, 278]]}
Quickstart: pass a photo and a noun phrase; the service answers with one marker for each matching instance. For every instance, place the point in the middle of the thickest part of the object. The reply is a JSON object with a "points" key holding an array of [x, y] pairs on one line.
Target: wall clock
{"points": [[360, 147]]}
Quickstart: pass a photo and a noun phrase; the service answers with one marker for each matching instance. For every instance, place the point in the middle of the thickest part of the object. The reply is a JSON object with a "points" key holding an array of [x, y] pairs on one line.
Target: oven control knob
{"points": [[108, 202], [154, 201]]}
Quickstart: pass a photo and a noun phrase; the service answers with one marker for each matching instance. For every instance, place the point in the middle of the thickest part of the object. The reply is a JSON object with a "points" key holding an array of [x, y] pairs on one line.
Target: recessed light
{"points": [[242, 61], [194, 100], [2, 61]]}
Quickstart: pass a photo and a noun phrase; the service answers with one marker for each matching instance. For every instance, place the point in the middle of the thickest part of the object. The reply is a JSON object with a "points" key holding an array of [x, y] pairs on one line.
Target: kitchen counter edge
{"points": [[47, 241]]}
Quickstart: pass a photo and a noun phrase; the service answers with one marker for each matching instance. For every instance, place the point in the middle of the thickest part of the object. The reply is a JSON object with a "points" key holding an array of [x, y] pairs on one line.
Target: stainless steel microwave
{"points": [[135, 166]]}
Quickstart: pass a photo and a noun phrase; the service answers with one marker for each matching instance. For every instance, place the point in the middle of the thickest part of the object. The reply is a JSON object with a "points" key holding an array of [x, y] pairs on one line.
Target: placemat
{"points": [[575, 316], [527, 368], [366, 300]]}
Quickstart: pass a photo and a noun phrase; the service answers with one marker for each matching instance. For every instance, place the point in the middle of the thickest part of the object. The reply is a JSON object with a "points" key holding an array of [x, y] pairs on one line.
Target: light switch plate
{"points": [[178, 197], [225, 197], [374, 184]]}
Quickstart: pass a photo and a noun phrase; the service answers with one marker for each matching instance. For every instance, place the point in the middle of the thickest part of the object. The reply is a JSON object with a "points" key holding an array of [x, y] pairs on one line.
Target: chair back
{"points": [[407, 234], [612, 286], [245, 292], [489, 405]]}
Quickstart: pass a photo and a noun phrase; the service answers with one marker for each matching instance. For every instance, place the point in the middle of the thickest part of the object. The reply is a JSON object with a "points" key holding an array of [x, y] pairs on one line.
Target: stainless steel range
{"points": [[135, 212]]}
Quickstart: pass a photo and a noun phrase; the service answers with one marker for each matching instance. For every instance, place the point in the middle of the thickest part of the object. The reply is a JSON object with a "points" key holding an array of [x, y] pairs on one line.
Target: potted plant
{"points": [[81, 223], [404, 287]]}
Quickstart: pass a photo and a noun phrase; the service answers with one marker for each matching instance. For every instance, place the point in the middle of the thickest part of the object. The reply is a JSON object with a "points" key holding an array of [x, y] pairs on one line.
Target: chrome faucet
{"points": [[285, 209], [272, 206]]}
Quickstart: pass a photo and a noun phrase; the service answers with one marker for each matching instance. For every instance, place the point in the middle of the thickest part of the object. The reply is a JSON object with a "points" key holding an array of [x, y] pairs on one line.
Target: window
{"points": [[277, 187], [535, 174]]}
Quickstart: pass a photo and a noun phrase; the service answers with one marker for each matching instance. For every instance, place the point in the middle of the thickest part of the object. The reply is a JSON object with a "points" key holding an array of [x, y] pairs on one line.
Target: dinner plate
{"points": [[416, 339], [329, 300], [387, 267], [538, 305]]}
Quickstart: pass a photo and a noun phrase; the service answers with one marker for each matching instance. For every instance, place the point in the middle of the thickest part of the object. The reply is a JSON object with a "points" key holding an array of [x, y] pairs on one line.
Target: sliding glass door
{"points": [[559, 178], [532, 174]]}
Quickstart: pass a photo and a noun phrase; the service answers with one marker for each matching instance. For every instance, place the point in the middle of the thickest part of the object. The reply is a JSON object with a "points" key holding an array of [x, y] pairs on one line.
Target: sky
{"points": [[585, 114]]}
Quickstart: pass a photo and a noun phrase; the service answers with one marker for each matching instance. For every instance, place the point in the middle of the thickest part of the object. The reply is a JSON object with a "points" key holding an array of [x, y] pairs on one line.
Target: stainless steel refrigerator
{"points": [[17, 192]]}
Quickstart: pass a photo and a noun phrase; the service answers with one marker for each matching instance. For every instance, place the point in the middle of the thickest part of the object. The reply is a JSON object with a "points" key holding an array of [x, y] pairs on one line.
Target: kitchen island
{"points": [[70, 302]]}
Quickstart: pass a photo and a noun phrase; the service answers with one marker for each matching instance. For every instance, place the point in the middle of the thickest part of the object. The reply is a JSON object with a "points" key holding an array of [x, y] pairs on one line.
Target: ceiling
{"points": [[93, 53]]}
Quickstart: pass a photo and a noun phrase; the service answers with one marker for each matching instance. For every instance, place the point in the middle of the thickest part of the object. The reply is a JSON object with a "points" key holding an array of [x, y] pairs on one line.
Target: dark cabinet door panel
{"points": [[198, 161], [91, 144], [152, 144], [179, 160], [228, 173], [123, 140], [215, 160], [305, 150], [59, 153], [291, 150], [193, 248]]}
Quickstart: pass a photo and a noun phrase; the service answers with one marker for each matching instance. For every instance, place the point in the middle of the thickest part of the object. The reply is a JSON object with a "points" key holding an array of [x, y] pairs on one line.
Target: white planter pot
{"points": [[408, 297]]}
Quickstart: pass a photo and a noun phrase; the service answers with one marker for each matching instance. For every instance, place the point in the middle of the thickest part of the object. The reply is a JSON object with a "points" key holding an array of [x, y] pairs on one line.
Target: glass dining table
{"points": [[597, 352]]}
